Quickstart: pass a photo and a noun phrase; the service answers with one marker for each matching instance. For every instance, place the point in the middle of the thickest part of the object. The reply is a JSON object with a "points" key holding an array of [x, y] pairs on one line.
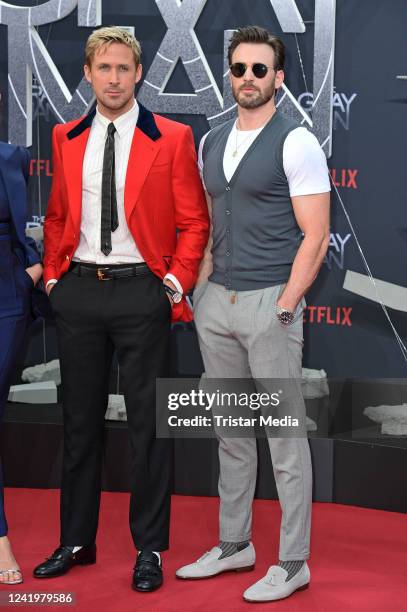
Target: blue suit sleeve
{"points": [[31, 253]]}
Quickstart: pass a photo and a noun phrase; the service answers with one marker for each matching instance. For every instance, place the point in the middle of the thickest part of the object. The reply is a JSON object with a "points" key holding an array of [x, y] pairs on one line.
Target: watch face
{"points": [[176, 296], [286, 317]]}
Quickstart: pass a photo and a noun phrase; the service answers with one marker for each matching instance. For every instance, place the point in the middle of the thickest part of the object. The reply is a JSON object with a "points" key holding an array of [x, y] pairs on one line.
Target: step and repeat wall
{"points": [[343, 70]]}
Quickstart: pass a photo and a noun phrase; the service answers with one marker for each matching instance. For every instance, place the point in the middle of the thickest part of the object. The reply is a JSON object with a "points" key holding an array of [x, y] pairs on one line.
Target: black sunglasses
{"points": [[239, 69]]}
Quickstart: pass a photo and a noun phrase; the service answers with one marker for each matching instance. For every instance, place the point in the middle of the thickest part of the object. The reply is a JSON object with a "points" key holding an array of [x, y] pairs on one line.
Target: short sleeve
{"points": [[305, 164]]}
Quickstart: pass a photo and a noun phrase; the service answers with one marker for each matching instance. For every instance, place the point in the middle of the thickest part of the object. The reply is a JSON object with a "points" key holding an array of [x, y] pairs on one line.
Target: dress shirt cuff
{"points": [[174, 280], [51, 281]]}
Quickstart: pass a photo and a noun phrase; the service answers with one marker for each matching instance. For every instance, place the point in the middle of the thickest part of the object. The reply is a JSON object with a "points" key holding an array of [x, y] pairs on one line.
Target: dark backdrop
{"points": [[367, 161]]}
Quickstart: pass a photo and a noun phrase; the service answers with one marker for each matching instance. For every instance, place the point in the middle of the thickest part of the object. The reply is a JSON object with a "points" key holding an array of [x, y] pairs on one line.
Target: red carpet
{"points": [[358, 564]]}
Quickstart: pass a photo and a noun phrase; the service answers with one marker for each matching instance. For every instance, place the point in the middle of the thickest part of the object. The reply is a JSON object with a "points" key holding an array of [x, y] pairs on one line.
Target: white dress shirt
{"points": [[124, 248]]}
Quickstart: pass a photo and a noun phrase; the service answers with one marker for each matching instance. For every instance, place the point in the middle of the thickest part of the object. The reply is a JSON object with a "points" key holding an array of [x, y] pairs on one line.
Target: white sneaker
{"points": [[274, 586], [210, 565]]}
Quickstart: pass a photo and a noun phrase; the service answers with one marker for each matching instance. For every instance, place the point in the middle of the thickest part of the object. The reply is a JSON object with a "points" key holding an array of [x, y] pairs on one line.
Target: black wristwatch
{"points": [[286, 317], [176, 296]]}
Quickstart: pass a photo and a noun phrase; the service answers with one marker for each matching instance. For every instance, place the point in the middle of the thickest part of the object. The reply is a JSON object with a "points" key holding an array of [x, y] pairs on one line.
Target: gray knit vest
{"points": [[255, 234]]}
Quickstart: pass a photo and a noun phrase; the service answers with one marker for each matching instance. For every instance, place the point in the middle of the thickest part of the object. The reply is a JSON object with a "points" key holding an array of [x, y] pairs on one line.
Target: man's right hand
{"points": [[50, 287]]}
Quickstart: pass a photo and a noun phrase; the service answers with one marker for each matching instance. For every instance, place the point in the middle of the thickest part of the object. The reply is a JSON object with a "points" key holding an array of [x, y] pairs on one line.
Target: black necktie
{"points": [[109, 219]]}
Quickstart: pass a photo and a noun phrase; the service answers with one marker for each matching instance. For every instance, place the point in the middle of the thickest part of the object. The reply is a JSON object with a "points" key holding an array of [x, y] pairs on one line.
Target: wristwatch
{"points": [[286, 317], [176, 296]]}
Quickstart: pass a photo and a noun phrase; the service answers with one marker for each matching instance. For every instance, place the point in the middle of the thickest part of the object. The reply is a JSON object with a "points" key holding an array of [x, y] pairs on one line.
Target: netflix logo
{"points": [[39, 167], [328, 315], [344, 177]]}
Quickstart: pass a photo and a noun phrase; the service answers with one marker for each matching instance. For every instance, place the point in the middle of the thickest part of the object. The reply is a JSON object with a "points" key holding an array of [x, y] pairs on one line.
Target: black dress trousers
{"points": [[93, 317]]}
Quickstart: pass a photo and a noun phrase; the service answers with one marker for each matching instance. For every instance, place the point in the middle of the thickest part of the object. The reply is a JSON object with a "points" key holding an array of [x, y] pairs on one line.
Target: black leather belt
{"points": [[104, 273]]}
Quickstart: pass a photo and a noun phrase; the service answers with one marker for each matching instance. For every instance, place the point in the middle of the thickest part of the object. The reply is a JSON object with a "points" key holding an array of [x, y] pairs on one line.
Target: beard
{"points": [[116, 104], [255, 100]]}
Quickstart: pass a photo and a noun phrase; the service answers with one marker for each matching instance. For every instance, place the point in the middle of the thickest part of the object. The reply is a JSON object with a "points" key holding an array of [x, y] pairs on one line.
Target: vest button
{"points": [[227, 253], [227, 212]]}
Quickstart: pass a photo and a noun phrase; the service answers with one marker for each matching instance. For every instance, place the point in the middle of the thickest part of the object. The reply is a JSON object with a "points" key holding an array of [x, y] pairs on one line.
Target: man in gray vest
{"points": [[267, 184]]}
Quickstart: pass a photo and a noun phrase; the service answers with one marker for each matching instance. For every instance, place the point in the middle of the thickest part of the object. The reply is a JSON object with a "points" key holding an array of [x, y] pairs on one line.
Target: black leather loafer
{"points": [[63, 559], [148, 573]]}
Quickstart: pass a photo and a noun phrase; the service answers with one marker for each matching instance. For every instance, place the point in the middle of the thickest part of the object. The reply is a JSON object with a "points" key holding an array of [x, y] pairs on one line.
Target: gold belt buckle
{"points": [[101, 275]]}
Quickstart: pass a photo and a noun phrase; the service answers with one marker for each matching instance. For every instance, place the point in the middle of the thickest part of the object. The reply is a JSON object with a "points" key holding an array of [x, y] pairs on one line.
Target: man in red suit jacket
{"points": [[124, 182]]}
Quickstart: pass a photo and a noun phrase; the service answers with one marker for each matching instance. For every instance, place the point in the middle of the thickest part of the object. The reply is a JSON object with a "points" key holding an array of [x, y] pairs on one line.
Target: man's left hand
{"points": [[286, 304], [35, 272]]}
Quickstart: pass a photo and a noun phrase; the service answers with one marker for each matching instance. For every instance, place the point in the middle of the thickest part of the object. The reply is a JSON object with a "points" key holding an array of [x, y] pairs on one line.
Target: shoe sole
{"points": [[301, 588], [145, 590], [91, 562], [238, 570]]}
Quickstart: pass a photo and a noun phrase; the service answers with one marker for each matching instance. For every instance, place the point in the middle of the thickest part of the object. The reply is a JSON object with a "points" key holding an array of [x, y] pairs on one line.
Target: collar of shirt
{"points": [[123, 123]]}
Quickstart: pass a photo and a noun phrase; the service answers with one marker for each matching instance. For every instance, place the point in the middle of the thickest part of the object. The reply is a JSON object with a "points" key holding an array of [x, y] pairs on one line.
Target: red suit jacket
{"points": [[163, 194]]}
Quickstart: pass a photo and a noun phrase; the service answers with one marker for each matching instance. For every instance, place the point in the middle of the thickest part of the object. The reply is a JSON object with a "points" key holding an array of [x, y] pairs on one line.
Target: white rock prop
{"points": [[37, 233], [392, 418], [43, 372], [116, 409], [314, 383], [34, 393]]}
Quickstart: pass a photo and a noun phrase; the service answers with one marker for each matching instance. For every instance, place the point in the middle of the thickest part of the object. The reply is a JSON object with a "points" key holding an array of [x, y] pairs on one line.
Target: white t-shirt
{"points": [[303, 159]]}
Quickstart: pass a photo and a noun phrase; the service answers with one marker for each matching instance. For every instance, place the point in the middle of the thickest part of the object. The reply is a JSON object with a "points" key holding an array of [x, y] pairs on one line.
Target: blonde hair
{"points": [[105, 37]]}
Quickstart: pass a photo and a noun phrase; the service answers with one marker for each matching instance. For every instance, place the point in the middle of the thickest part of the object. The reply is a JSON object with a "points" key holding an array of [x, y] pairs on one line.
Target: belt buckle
{"points": [[101, 274]]}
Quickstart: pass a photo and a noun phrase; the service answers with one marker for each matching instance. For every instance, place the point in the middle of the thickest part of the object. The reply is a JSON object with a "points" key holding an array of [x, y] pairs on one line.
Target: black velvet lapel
{"points": [[146, 123], [82, 125]]}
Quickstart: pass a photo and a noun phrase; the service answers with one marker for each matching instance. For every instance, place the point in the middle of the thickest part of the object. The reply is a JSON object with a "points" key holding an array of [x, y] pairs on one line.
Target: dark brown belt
{"points": [[104, 273]]}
